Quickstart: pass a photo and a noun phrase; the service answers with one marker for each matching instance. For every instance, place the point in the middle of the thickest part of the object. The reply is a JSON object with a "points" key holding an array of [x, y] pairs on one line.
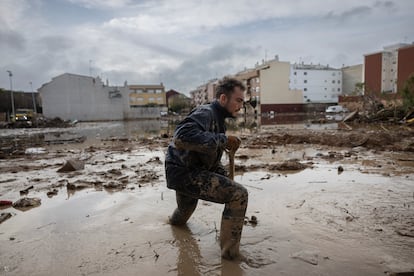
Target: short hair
{"points": [[226, 86]]}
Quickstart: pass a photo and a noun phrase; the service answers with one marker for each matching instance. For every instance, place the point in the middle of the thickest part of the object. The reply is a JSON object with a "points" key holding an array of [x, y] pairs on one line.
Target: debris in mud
{"points": [[114, 186], [26, 191], [81, 184], [115, 171], [155, 159], [408, 273], [52, 193], [405, 232], [6, 202], [290, 165], [5, 216], [310, 257], [35, 151], [296, 205], [26, 203], [72, 165], [253, 220]]}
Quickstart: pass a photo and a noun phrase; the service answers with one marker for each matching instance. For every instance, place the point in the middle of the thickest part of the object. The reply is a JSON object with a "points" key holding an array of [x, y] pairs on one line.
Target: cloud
{"points": [[184, 43], [11, 40]]}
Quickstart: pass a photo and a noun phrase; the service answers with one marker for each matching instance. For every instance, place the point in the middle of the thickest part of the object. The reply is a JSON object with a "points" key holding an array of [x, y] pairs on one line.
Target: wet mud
{"points": [[326, 202]]}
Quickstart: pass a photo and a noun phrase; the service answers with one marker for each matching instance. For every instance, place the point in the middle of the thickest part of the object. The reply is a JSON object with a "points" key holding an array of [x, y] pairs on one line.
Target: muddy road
{"points": [[327, 202]]}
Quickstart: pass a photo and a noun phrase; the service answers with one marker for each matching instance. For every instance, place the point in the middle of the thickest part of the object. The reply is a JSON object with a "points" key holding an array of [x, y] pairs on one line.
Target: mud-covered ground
{"points": [[327, 202]]}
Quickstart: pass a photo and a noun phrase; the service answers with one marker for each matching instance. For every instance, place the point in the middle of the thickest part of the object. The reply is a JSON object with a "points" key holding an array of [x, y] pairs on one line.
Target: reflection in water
{"points": [[189, 256]]}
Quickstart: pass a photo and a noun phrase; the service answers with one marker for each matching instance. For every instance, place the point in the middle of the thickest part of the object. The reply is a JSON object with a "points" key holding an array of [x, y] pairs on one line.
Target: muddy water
{"points": [[312, 222], [316, 221]]}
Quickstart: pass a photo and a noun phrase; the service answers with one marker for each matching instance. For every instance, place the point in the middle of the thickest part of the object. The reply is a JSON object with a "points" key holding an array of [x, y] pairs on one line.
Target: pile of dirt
{"points": [[398, 138]]}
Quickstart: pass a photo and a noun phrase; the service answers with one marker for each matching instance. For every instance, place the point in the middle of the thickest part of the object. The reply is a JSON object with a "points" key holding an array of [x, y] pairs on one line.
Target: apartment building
{"points": [[319, 83], [147, 95], [386, 71], [204, 93]]}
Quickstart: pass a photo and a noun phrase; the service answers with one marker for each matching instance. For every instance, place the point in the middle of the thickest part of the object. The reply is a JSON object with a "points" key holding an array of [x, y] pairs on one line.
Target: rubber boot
{"points": [[230, 234], [185, 208], [180, 217]]}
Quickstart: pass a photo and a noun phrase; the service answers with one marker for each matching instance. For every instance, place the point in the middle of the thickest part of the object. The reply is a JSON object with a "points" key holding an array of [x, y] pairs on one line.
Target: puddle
{"points": [[318, 220], [96, 232]]}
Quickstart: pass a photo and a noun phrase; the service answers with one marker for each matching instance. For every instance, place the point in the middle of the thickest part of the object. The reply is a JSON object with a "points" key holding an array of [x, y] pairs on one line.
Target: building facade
{"points": [[320, 84], [71, 96], [385, 72]]}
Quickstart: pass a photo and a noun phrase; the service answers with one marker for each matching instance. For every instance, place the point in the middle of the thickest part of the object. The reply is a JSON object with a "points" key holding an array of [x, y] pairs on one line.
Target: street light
{"points": [[12, 96], [33, 97]]}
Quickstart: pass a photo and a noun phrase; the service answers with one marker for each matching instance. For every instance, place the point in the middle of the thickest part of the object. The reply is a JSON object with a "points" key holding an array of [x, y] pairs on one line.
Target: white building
{"points": [[70, 97], [320, 84], [390, 67]]}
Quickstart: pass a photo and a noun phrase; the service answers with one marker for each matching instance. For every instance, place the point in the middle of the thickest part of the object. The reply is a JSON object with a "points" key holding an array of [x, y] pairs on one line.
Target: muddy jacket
{"points": [[198, 143]]}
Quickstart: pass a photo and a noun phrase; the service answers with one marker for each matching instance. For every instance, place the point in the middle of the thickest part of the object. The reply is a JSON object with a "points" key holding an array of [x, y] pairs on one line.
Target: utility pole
{"points": [[12, 96], [34, 100], [90, 68]]}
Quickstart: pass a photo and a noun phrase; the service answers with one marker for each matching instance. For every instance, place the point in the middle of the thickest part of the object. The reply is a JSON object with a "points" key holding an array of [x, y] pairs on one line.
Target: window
{"points": [[333, 74], [294, 73], [339, 81], [333, 81], [159, 99], [339, 89], [305, 81], [151, 99], [305, 89], [305, 73], [326, 88]]}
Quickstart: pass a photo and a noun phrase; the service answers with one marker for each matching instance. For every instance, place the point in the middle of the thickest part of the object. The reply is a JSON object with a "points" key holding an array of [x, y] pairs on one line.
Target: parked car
{"points": [[23, 114], [336, 109]]}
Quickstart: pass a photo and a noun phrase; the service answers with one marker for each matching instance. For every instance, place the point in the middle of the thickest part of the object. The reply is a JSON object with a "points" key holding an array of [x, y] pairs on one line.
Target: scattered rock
{"points": [[26, 203], [340, 169], [72, 165]]}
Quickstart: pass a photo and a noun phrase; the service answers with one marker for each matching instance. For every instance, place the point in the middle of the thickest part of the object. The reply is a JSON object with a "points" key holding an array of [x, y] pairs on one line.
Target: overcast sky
{"points": [[184, 43]]}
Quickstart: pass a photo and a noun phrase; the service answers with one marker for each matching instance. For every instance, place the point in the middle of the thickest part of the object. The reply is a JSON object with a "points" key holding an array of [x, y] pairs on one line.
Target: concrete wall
{"points": [[83, 98], [72, 97], [274, 85]]}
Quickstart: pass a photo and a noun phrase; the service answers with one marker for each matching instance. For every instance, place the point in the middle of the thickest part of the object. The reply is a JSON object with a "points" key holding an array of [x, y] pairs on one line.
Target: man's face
{"points": [[235, 102]]}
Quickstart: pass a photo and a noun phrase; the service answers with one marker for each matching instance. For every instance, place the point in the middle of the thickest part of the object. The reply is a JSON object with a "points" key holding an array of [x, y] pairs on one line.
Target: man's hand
{"points": [[233, 143]]}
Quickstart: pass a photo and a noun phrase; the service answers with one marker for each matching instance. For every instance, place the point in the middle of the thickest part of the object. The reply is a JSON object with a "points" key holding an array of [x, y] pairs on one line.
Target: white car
{"points": [[336, 109]]}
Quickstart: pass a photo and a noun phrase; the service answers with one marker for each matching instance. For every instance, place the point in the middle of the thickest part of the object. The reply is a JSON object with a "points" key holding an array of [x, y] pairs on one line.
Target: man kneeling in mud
{"points": [[194, 170]]}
